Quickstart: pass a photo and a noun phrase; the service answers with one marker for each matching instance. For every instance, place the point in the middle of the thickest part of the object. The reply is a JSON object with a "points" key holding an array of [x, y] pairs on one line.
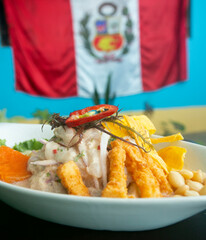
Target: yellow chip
{"points": [[173, 156], [116, 129], [171, 138], [145, 122], [138, 127], [139, 123]]}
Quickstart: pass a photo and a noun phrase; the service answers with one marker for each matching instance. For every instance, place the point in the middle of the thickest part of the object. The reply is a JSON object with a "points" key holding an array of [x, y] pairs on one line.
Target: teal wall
{"points": [[190, 93]]}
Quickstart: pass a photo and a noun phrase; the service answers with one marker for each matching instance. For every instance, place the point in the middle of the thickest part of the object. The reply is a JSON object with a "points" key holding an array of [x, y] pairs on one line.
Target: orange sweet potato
{"points": [[13, 165]]}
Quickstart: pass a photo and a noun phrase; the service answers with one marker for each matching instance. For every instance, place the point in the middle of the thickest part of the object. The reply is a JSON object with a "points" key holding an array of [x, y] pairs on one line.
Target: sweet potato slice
{"points": [[13, 165]]}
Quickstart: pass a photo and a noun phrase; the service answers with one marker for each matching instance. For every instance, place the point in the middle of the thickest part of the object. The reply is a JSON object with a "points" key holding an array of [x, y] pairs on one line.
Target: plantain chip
{"points": [[171, 138], [116, 129], [139, 123], [145, 122], [173, 156]]}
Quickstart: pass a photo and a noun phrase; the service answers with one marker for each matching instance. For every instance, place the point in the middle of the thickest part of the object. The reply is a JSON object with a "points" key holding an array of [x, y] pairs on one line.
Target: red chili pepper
{"points": [[54, 151], [105, 110]]}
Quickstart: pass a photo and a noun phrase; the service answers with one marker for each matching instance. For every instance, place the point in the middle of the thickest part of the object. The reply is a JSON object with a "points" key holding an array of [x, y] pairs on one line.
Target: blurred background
{"points": [[146, 57]]}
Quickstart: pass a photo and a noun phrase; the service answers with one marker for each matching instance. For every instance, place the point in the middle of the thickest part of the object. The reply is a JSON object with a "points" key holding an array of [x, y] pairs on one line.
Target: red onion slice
{"points": [[44, 162]]}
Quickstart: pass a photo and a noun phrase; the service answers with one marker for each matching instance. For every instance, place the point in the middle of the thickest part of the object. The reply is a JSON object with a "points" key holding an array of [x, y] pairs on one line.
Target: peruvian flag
{"points": [[66, 48]]}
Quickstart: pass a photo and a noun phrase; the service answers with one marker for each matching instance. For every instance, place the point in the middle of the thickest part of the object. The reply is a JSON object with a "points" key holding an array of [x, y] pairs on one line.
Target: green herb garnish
{"points": [[57, 179], [29, 145], [81, 154]]}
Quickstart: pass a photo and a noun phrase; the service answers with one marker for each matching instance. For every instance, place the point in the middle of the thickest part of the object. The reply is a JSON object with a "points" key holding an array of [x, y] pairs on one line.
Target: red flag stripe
{"points": [[162, 41], [43, 47]]}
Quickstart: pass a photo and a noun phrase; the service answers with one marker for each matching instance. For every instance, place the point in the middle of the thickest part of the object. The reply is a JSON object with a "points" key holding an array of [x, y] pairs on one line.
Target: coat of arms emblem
{"points": [[112, 40]]}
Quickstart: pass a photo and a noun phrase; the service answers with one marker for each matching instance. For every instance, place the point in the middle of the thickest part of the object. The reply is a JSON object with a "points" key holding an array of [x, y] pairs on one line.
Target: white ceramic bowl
{"points": [[100, 213]]}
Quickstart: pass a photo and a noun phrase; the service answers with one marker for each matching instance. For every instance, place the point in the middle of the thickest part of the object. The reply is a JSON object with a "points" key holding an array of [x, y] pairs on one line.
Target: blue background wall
{"points": [[190, 93]]}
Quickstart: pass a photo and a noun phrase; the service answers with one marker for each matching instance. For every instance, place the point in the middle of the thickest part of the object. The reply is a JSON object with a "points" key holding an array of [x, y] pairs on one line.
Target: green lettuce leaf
{"points": [[2, 142], [29, 145]]}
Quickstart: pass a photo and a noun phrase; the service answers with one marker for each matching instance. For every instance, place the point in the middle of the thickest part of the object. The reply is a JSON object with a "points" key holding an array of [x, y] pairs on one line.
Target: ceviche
{"points": [[97, 152]]}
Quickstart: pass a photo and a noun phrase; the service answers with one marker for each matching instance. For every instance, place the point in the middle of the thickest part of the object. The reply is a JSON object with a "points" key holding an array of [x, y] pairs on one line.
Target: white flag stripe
{"points": [[106, 26]]}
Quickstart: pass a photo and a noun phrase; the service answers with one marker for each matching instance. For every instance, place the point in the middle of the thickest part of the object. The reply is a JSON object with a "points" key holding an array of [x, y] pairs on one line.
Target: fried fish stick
{"points": [[133, 191], [71, 179], [139, 170], [160, 175], [143, 177], [116, 187]]}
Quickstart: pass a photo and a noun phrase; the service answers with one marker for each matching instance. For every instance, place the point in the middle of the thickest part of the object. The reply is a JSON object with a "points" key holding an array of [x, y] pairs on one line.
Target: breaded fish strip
{"points": [[133, 191], [139, 170], [117, 186], [160, 175], [71, 179]]}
